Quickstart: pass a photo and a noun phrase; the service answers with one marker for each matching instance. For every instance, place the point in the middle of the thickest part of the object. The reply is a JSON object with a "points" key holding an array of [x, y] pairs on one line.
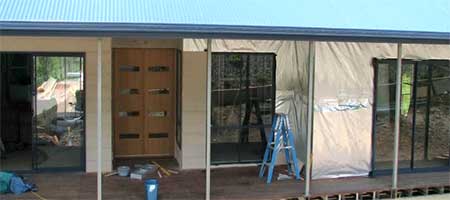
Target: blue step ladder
{"points": [[281, 138]]}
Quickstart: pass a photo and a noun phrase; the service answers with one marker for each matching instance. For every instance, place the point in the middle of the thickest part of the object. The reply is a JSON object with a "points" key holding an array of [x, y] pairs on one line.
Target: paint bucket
{"points": [[151, 189], [123, 170]]}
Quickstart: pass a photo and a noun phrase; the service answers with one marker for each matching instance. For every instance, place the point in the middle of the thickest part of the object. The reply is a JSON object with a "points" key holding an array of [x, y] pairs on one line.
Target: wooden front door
{"points": [[144, 101]]}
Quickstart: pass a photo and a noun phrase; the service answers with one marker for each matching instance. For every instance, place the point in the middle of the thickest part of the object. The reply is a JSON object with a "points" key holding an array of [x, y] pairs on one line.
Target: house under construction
{"points": [[87, 86]]}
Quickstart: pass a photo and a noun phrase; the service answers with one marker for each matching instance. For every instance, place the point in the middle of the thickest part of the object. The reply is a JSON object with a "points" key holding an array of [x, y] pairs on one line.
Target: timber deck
{"points": [[230, 183]]}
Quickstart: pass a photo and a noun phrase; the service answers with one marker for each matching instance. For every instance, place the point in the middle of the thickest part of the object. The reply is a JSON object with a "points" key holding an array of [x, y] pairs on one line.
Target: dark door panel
{"points": [[242, 105]]}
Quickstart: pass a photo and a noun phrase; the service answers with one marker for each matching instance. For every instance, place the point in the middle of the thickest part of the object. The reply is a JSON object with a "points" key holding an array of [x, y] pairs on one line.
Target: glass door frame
{"points": [[411, 168], [249, 126], [35, 167]]}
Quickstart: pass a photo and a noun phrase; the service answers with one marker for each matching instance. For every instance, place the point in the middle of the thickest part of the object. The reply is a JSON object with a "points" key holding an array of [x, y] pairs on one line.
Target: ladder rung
{"points": [[268, 163], [284, 147]]}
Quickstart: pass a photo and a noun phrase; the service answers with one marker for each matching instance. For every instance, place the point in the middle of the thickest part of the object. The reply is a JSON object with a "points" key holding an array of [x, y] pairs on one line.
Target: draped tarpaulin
{"points": [[343, 95], [291, 77], [344, 76]]}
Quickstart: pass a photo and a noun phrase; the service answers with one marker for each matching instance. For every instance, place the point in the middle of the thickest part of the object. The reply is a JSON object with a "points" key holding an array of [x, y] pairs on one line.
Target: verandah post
{"points": [[99, 119], [311, 71], [397, 115], [208, 121]]}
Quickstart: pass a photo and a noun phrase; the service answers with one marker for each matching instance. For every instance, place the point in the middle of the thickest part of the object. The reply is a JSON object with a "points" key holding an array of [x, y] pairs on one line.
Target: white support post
{"points": [[208, 122], [397, 115], [311, 71], [99, 119]]}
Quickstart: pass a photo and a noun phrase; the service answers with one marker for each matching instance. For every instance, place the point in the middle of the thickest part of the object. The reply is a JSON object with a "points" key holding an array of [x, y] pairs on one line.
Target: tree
{"points": [[47, 67]]}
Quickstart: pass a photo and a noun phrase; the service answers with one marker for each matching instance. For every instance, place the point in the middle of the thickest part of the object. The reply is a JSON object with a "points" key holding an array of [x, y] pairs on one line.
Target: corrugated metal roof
{"points": [[402, 17]]}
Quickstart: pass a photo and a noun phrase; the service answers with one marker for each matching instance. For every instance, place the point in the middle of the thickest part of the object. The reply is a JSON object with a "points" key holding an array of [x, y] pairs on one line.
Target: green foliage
{"points": [[55, 67], [47, 67]]}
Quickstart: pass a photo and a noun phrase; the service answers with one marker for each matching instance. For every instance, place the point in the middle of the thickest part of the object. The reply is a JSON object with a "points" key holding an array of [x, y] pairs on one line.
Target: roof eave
{"points": [[216, 31]]}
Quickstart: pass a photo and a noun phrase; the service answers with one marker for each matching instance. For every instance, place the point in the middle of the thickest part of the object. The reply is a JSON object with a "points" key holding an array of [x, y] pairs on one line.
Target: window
{"points": [[43, 111], [425, 104], [243, 102]]}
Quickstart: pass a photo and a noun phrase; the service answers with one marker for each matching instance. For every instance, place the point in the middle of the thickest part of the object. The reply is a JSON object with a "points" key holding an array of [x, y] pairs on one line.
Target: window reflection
{"points": [[242, 105], [59, 111], [425, 104]]}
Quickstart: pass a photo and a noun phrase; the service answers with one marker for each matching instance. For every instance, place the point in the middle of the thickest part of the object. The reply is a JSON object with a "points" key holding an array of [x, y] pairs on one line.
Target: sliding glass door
{"points": [[425, 107], [243, 98], [59, 111], [42, 111], [432, 131]]}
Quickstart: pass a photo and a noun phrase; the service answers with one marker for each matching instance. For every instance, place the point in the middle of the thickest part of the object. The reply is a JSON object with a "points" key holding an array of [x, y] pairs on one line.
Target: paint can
{"points": [[151, 189]]}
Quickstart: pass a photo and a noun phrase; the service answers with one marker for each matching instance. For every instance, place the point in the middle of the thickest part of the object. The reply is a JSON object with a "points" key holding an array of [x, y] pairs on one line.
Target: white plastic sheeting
{"points": [[343, 95], [343, 103], [291, 77]]}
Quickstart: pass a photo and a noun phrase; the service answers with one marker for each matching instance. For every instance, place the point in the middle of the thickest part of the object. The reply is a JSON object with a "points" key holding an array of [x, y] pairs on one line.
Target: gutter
{"points": [[152, 30]]}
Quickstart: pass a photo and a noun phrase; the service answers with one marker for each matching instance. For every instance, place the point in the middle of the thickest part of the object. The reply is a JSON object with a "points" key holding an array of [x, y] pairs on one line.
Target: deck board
{"points": [[226, 183]]}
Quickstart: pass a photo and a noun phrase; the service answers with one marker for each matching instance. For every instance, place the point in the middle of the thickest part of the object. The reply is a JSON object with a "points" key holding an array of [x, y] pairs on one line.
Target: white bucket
{"points": [[123, 170]]}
